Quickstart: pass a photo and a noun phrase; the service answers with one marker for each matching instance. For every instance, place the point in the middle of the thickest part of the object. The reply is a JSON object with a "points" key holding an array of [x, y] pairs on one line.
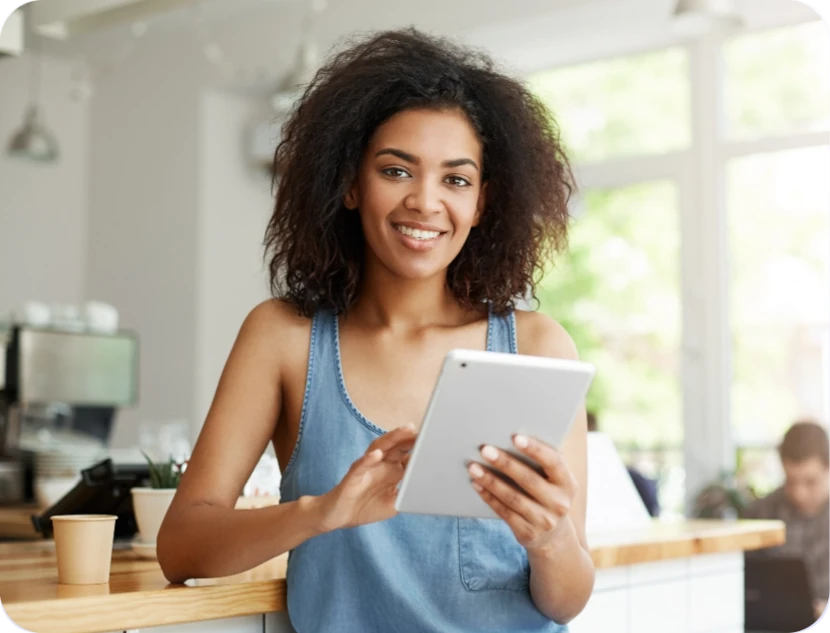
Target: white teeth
{"points": [[418, 234]]}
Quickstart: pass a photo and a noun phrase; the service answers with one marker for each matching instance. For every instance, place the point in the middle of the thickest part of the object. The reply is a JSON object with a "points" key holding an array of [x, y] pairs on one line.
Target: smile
{"points": [[417, 234]]}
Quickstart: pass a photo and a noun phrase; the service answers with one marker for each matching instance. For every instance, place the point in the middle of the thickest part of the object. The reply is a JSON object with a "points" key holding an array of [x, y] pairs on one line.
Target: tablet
{"points": [[486, 398]]}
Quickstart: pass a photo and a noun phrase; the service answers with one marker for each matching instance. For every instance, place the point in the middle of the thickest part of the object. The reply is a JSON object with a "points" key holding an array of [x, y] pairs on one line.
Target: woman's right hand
{"points": [[367, 493]]}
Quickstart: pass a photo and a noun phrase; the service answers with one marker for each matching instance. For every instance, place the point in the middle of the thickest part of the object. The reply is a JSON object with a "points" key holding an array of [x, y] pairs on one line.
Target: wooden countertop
{"points": [[16, 522], [138, 595], [681, 539]]}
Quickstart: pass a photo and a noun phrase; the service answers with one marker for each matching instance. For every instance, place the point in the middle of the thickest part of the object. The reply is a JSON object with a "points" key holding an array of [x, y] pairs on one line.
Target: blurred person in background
{"points": [[802, 504], [646, 487]]}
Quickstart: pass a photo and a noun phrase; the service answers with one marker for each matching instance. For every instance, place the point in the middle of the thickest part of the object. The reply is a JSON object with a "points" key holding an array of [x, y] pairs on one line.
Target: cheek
{"points": [[378, 201], [463, 215]]}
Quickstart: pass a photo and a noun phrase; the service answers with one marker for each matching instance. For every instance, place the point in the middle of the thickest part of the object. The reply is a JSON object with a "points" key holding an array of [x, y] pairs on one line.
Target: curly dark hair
{"points": [[316, 245]]}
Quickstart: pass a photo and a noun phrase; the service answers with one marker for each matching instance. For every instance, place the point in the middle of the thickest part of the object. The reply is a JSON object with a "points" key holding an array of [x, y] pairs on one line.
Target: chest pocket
{"points": [[490, 558]]}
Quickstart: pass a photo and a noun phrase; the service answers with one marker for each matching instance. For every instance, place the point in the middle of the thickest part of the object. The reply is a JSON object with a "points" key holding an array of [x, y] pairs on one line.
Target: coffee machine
{"points": [[58, 380]]}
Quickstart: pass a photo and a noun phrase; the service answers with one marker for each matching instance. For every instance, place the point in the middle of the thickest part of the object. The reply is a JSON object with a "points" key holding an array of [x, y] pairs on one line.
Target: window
{"points": [[622, 106], [627, 124], [779, 221], [617, 288], [776, 87], [776, 81], [617, 293]]}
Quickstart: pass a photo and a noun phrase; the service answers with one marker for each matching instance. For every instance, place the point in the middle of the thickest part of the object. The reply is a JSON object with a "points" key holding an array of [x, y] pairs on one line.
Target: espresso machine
{"points": [[65, 385]]}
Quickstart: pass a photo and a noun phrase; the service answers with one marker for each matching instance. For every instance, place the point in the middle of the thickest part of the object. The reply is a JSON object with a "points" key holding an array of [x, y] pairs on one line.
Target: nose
{"points": [[424, 197]]}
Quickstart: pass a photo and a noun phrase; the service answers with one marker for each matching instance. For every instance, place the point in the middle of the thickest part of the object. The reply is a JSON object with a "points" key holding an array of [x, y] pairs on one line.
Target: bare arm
{"points": [[562, 574], [547, 512], [202, 535]]}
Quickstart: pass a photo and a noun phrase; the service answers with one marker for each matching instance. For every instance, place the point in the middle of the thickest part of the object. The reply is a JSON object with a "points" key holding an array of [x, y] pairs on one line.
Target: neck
{"points": [[388, 301]]}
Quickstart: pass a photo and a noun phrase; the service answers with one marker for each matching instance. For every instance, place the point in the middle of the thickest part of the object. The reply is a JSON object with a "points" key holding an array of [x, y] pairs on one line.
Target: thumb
{"points": [[363, 464]]}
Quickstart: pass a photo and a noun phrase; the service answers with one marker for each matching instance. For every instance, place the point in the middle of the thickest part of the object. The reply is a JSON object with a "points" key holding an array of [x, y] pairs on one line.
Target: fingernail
{"points": [[520, 441], [489, 453], [477, 487], [410, 426], [476, 470]]}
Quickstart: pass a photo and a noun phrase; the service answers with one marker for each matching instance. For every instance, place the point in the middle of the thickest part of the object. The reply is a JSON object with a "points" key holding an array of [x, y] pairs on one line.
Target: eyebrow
{"points": [[409, 158]]}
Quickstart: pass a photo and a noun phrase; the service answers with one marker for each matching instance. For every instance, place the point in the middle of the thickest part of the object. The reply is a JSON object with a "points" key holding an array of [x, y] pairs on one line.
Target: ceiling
{"points": [[258, 39]]}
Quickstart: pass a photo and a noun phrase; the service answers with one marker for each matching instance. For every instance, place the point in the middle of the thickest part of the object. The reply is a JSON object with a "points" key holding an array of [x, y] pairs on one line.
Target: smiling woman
{"points": [[484, 127], [416, 198], [420, 193]]}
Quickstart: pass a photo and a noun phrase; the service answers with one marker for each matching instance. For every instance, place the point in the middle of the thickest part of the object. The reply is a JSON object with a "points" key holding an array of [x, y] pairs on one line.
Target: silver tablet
{"points": [[485, 398]]}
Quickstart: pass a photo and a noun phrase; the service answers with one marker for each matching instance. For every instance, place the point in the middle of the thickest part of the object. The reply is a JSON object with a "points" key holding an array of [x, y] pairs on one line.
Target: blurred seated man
{"points": [[646, 488], [802, 504]]}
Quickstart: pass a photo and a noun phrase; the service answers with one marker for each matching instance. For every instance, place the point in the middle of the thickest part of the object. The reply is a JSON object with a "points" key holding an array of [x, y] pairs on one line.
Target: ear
{"points": [[351, 198], [480, 204]]}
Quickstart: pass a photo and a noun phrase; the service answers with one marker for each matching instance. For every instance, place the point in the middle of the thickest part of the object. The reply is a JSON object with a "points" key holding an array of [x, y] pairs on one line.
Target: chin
{"points": [[416, 267], [413, 272]]}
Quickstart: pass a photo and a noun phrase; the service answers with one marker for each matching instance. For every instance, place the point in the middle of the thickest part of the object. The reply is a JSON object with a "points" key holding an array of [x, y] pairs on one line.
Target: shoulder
{"points": [[275, 318], [538, 334], [275, 328], [767, 507]]}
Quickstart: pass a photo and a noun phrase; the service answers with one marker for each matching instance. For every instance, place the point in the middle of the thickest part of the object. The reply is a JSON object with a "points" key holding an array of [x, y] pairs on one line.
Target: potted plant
{"points": [[150, 503], [726, 498]]}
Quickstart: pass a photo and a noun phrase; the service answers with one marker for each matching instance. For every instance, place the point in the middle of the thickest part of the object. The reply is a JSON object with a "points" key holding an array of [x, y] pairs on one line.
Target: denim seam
{"points": [[489, 330], [467, 581], [309, 384], [511, 325], [341, 381]]}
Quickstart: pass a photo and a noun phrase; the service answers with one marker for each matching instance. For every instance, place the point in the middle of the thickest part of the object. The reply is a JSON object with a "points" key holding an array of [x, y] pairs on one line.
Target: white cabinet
{"points": [[245, 624], [278, 623], [716, 602], [702, 594], [606, 611]]}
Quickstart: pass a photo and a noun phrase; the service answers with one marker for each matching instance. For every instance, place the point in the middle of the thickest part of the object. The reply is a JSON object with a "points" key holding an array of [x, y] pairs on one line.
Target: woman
{"points": [[419, 191]]}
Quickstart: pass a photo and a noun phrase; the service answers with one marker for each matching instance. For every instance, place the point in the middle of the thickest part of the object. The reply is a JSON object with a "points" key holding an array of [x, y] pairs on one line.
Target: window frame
{"points": [[699, 173]]}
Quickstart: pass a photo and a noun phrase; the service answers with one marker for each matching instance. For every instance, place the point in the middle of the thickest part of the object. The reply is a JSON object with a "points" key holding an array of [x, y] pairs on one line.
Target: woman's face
{"points": [[419, 191]]}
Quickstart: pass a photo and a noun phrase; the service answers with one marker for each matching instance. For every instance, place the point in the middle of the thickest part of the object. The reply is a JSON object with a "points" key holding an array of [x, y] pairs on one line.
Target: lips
{"points": [[418, 234], [418, 237]]}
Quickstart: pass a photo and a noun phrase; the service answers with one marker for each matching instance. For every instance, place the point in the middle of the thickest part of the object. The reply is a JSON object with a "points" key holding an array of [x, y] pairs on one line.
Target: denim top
{"points": [[410, 573]]}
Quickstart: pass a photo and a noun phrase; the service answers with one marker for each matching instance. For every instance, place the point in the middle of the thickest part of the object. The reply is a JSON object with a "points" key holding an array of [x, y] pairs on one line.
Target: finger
{"points": [[548, 458], [369, 459], [399, 451], [532, 482], [517, 523], [389, 440], [511, 497]]}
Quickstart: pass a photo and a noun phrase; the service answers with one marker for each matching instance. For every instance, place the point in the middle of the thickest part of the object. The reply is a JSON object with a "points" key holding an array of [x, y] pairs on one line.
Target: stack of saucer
{"points": [[58, 462]]}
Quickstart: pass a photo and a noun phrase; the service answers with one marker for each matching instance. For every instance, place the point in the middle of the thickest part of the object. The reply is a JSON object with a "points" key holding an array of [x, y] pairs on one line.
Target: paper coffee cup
{"points": [[83, 545]]}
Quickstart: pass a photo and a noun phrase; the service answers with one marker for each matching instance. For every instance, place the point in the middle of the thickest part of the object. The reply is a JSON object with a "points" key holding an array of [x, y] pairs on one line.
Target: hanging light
{"points": [[702, 17], [33, 141]]}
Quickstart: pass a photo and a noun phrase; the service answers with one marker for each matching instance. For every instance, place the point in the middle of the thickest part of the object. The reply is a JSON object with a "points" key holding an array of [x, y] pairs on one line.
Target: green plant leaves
{"points": [[163, 475]]}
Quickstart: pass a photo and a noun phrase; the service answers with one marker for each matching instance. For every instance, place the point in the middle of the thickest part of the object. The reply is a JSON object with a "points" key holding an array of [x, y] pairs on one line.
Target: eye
{"points": [[458, 181], [395, 172]]}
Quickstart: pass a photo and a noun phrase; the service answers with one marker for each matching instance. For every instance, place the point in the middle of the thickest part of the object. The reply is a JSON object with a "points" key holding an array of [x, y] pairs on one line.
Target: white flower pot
{"points": [[150, 505]]}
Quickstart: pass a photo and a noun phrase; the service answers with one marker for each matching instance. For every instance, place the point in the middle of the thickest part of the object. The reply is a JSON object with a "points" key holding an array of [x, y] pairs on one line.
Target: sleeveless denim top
{"points": [[411, 573]]}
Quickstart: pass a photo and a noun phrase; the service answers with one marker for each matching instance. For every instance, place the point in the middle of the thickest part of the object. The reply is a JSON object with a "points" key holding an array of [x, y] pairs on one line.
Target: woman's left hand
{"points": [[536, 514]]}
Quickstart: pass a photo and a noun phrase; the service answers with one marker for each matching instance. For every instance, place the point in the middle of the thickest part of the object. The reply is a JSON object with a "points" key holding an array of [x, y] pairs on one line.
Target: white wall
{"points": [[143, 226], [43, 208], [234, 208], [176, 225]]}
